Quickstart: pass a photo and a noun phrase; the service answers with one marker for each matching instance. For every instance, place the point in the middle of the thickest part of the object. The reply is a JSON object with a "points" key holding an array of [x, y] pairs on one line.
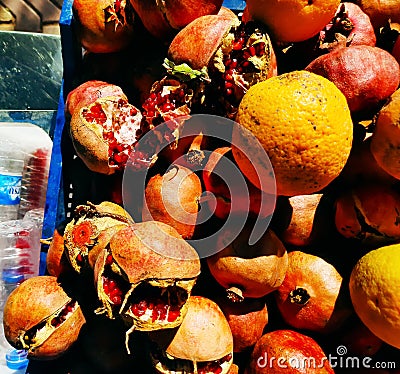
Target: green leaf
{"points": [[184, 72]]}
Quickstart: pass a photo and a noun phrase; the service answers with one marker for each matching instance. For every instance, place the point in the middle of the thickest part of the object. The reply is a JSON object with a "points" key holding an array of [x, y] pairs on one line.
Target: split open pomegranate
{"points": [[41, 318], [104, 132], [236, 54], [202, 344], [89, 231], [145, 275]]}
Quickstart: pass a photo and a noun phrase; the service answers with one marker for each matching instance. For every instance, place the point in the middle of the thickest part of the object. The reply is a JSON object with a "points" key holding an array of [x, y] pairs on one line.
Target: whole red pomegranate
{"points": [[366, 75], [103, 26], [202, 344], [308, 298], [173, 198], [104, 132], [41, 318], [164, 20], [369, 214], [288, 351], [349, 26], [247, 321], [146, 275], [249, 270], [233, 199], [236, 55]]}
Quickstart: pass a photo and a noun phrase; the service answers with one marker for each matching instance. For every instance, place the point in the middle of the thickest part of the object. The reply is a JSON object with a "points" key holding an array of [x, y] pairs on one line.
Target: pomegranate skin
{"points": [[280, 350], [396, 50], [32, 302], [88, 92], [352, 24], [164, 21], [103, 26], [365, 75]]}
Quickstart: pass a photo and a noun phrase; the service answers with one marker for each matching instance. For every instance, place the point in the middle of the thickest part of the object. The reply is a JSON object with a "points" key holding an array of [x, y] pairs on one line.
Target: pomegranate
{"points": [[90, 230], [308, 298], [290, 352], [249, 270], [380, 11], [396, 50], [41, 318], [202, 344], [103, 26], [173, 198], [236, 55], [56, 260], [359, 340], [145, 275], [230, 199], [349, 26], [369, 213], [88, 92], [104, 133], [366, 75], [307, 222], [247, 321], [164, 20]]}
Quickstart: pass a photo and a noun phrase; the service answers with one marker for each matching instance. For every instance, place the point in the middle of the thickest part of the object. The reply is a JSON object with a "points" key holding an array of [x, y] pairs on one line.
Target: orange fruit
{"points": [[303, 123], [375, 292], [385, 141], [293, 20]]}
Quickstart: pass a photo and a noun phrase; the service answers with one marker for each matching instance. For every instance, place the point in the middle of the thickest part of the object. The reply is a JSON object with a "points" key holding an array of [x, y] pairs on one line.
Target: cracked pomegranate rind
{"points": [[90, 230], [145, 276], [41, 318], [104, 133], [203, 343]]}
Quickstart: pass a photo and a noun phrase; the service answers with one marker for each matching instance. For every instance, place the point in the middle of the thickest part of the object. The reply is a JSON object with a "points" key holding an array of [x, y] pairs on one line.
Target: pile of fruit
{"points": [[236, 198]]}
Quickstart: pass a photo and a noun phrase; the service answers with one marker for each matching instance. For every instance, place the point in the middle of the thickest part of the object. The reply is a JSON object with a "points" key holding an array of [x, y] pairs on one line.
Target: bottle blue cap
{"points": [[17, 359], [12, 276]]}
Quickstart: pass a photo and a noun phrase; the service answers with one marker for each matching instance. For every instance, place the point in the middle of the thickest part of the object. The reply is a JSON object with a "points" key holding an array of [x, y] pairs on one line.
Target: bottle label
{"points": [[10, 189]]}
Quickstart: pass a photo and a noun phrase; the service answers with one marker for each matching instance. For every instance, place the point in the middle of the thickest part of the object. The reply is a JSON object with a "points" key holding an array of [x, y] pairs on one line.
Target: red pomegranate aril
{"points": [[173, 314], [137, 311], [252, 50], [109, 260], [112, 285], [116, 299], [79, 258]]}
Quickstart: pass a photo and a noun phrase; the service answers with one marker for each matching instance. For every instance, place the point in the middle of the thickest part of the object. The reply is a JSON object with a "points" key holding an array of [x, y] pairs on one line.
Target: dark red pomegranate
{"points": [[366, 75], [104, 132], [103, 26], [145, 275], [164, 20], [229, 199], [349, 26], [41, 318], [236, 55], [288, 351]]}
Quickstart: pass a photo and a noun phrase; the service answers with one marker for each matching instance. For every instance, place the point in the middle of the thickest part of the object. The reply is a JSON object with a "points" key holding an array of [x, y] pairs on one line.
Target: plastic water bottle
{"points": [[10, 187], [15, 359]]}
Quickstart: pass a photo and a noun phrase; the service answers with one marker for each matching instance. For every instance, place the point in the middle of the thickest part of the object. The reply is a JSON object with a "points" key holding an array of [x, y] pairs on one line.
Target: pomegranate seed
{"points": [[252, 50], [137, 311], [109, 259], [233, 63], [260, 49], [228, 92], [116, 299], [105, 286], [112, 284], [245, 64], [173, 314], [228, 62], [246, 55], [238, 44], [228, 85], [79, 258]]}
